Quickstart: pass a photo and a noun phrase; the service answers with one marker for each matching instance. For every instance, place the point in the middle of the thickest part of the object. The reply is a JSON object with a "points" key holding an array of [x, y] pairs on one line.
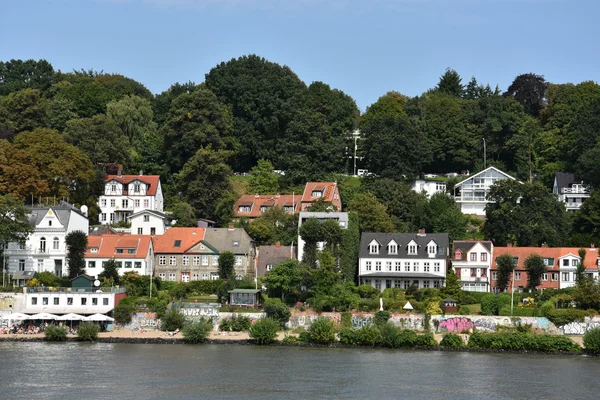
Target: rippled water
{"points": [[125, 371]]}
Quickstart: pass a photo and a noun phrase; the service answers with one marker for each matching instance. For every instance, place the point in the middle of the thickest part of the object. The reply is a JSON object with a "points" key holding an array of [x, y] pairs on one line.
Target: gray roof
{"points": [[564, 179], [61, 211], [441, 239], [157, 213], [322, 216], [273, 255], [468, 244], [223, 239]]}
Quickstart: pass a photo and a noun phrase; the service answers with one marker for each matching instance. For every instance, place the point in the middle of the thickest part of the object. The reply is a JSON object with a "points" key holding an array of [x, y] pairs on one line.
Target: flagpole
{"points": [[512, 294]]}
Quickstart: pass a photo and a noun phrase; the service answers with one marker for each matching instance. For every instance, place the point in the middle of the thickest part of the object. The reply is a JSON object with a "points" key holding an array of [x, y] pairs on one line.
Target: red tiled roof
{"points": [[328, 189], [268, 200], [591, 257], [152, 180], [189, 237], [107, 246]]}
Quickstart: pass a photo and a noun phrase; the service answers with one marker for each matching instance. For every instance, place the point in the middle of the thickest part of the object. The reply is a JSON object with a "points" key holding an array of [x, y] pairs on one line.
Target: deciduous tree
{"points": [[506, 266], [372, 215], [284, 278], [76, 245], [534, 265], [14, 221], [529, 90], [262, 179]]}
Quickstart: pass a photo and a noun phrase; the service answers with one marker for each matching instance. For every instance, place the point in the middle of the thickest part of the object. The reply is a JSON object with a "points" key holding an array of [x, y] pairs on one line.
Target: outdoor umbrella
{"points": [[17, 316], [70, 317], [43, 316], [99, 317]]}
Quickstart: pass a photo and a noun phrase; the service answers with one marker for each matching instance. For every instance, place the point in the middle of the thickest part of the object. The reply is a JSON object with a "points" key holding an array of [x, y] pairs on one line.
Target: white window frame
{"points": [[172, 260], [162, 260], [185, 260]]}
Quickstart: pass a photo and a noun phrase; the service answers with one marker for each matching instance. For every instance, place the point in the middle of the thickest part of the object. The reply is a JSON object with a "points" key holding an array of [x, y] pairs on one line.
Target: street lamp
{"points": [[484, 153], [355, 136]]}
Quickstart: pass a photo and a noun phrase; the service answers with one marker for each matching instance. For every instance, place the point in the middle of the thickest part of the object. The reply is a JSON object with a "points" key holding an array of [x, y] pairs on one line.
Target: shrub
{"points": [[172, 320], [562, 317], [346, 319], [517, 311], [349, 336], [522, 341], [464, 310], [491, 304], [591, 341], [87, 331], [390, 335], [322, 330], [264, 330], [369, 335], [236, 324], [546, 308], [124, 310], [53, 333], [425, 340], [452, 340], [381, 317], [277, 310], [198, 331]]}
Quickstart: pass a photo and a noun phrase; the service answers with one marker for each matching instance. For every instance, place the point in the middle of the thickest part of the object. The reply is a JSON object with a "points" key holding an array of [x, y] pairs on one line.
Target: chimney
{"points": [[421, 232], [278, 244], [231, 227], [119, 172], [509, 244], [141, 172], [592, 245], [545, 245]]}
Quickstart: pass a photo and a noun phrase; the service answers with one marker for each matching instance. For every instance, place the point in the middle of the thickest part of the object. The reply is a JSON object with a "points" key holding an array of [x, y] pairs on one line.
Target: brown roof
{"points": [[328, 189], [107, 246], [268, 200], [188, 238], [591, 257], [152, 180]]}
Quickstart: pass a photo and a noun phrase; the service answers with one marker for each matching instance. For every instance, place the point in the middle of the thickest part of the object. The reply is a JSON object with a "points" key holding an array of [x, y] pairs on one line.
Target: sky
{"points": [[362, 47]]}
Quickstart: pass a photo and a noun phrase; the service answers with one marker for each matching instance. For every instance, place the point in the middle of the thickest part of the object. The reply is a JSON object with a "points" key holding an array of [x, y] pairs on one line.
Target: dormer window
{"points": [[317, 193], [392, 248], [49, 223], [457, 255], [373, 248], [236, 243], [431, 249], [93, 249], [146, 218], [263, 209], [412, 249], [244, 209], [136, 188], [113, 188]]}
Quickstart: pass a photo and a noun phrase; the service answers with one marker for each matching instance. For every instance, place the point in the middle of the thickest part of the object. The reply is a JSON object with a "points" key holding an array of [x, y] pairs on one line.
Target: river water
{"points": [[139, 371]]}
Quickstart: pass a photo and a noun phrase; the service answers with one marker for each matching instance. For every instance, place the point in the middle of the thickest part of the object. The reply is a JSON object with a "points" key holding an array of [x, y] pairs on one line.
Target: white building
{"points": [[130, 252], [471, 194], [70, 300], [402, 260], [125, 195], [340, 217], [45, 249], [472, 260], [569, 191], [429, 187], [149, 222]]}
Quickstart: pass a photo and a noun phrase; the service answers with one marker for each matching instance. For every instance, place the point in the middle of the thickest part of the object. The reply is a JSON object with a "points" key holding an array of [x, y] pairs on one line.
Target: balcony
{"points": [[575, 190], [33, 252]]}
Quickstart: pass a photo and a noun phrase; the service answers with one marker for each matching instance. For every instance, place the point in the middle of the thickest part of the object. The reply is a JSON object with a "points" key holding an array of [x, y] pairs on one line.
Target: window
{"points": [[112, 217], [406, 266], [103, 202], [517, 276], [186, 260], [113, 202], [146, 218], [195, 276], [44, 301], [83, 301], [575, 263], [172, 260], [127, 264], [185, 277], [162, 260], [21, 265], [495, 276], [374, 248], [436, 267], [474, 271], [236, 243], [105, 302], [40, 265], [34, 301], [215, 260], [43, 245], [196, 260], [140, 231], [238, 261], [377, 284], [473, 256], [238, 277], [426, 284], [555, 277], [457, 255], [146, 203], [565, 277], [125, 203], [483, 256], [172, 276], [137, 264], [397, 267], [426, 267], [436, 284], [412, 249], [49, 223], [56, 301], [377, 265], [137, 203], [431, 249], [263, 208], [113, 188], [545, 276], [103, 217], [388, 283], [94, 301], [204, 277], [397, 283], [91, 264], [393, 248], [119, 264], [162, 276], [136, 187], [177, 243], [484, 272], [368, 265], [214, 276], [317, 193], [388, 265], [565, 262], [416, 266], [244, 209], [406, 285], [119, 251], [204, 260]]}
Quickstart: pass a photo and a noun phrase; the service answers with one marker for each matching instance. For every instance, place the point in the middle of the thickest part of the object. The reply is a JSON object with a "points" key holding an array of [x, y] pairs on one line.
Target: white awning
{"points": [[67, 309]]}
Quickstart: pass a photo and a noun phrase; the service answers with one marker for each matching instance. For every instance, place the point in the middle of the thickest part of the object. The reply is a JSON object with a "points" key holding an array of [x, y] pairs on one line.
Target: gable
{"points": [[50, 220]]}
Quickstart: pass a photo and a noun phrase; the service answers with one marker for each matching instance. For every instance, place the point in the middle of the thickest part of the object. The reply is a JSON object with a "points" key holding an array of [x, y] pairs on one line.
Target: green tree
{"points": [[284, 278], [331, 232], [110, 271], [58, 112], [17, 176], [184, 214], [23, 111], [443, 216], [587, 293], [162, 102], [453, 287], [534, 265], [14, 221], [529, 90], [277, 310], [310, 231], [581, 266], [587, 220], [262, 179], [349, 248], [226, 263], [372, 215], [450, 83], [76, 242], [274, 225], [325, 277], [506, 266], [30, 74], [47, 279]]}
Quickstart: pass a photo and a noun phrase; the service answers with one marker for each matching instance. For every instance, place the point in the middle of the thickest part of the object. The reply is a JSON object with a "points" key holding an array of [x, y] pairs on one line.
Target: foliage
{"points": [[560, 317], [237, 323], [276, 310], [87, 332], [76, 242], [274, 225], [262, 179], [452, 289], [264, 330], [522, 342], [464, 310], [124, 310], [492, 303], [172, 320], [506, 266], [53, 333], [450, 83], [14, 222], [310, 231], [452, 340], [19, 74], [534, 265], [381, 317], [110, 271], [433, 308], [443, 216], [529, 90], [226, 265], [322, 330], [372, 215], [184, 214], [587, 293], [349, 248], [581, 266], [197, 331], [591, 341], [284, 278]]}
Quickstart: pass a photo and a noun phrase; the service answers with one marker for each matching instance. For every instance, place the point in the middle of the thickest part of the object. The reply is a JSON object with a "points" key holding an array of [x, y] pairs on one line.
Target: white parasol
{"points": [[99, 317], [17, 316], [43, 316], [70, 317]]}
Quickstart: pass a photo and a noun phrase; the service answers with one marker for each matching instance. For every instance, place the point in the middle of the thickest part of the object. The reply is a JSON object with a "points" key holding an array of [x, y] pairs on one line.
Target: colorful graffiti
{"points": [[580, 328], [456, 324], [143, 320]]}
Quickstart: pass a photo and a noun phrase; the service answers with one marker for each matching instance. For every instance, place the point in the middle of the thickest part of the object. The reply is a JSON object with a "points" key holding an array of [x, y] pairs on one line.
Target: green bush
{"points": [[464, 310], [322, 330], [565, 316], [53, 333], [522, 342], [517, 311], [277, 310], [492, 303], [264, 330], [546, 308], [87, 331], [172, 320], [381, 317], [237, 323], [390, 335], [369, 335], [124, 310], [346, 319], [452, 340], [349, 336], [591, 341], [425, 340], [198, 331]]}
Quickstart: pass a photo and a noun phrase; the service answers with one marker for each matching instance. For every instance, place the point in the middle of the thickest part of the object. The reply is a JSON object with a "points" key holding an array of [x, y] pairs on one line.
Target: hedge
{"points": [[522, 342], [564, 316]]}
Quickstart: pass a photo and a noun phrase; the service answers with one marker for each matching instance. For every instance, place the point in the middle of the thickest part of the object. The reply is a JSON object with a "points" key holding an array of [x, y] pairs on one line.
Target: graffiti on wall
{"points": [[143, 320], [489, 323], [456, 324], [413, 322], [580, 328]]}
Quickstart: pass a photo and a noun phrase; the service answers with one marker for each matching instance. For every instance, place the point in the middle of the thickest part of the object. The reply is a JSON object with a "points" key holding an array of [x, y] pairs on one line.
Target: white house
{"points": [[45, 249], [125, 195], [428, 186], [402, 260], [70, 300], [569, 191], [471, 194], [130, 252], [149, 222], [472, 260], [340, 217]]}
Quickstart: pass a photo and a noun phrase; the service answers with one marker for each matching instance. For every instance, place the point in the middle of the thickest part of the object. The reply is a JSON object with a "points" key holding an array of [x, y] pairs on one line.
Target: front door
{"points": [[58, 267]]}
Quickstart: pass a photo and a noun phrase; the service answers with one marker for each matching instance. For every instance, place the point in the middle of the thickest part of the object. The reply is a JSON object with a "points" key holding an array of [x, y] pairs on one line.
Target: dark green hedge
{"points": [[522, 341]]}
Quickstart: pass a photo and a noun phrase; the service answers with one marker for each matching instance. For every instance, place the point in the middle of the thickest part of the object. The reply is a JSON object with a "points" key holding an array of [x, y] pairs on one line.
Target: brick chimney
{"points": [[278, 244], [421, 232], [231, 227], [509, 244], [545, 245]]}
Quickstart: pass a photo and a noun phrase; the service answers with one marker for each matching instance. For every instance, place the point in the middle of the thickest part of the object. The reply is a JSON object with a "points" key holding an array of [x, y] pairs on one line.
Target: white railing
{"points": [[575, 190]]}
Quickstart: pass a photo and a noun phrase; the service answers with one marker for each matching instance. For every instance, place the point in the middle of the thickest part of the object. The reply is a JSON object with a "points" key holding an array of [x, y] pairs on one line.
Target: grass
{"points": [[201, 299], [475, 308]]}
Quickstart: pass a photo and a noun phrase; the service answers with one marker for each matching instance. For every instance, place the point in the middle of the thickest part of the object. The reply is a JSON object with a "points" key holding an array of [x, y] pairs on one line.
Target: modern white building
{"points": [[149, 222], [125, 195], [471, 194], [429, 187], [402, 260], [472, 260], [132, 253], [45, 249], [340, 217], [570, 191]]}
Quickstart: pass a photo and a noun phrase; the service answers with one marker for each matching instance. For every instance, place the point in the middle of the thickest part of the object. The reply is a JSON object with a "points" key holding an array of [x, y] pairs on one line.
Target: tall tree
{"points": [[310, 231], [529, 90], [16, 75], [450, 83], [372, 215], [22, 111], [184, 214], [534, 265], [110, 271], [162, 102], [580, 274], [14, 221], [349, 249], [284, 278], [506, 266], [226, 263], [452, 288], [262, 179], [17, 176], [443, 216], [76, 245]]}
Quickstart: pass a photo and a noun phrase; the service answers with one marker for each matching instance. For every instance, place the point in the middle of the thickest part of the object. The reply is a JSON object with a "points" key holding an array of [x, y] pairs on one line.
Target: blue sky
{"points": [[364, 48]]}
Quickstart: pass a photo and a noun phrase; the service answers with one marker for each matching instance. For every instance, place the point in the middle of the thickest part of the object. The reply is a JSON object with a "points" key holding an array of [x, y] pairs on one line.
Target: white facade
{"points": [[570, 192], [148, 222], [428, 187], [472, 262], [471, 194], [340, 217], [143, 266], [121, 200], [568, 270], [66, 302], [45, 249]]}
